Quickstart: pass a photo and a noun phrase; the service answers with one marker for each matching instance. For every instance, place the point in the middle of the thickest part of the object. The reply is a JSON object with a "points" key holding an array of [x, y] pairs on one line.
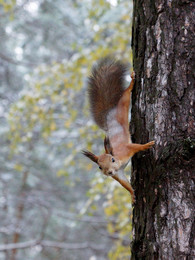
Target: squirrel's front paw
{"points": [[133, 74]]}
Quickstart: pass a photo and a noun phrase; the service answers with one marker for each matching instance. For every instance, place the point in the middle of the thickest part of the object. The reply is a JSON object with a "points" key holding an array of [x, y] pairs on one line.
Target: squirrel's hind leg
{"points": [[123, 105]]}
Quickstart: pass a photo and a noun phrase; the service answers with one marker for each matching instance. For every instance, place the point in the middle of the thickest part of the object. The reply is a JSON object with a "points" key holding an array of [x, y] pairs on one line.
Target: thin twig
{"points": [[47, 243]]}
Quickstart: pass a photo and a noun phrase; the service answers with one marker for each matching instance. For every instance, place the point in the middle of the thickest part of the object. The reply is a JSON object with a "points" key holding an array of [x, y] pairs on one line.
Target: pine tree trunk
{"points": [[163, 110]]}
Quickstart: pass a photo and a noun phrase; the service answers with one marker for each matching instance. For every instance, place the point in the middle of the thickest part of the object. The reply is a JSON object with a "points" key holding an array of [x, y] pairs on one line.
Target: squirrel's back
{"points": [[105, 87]]}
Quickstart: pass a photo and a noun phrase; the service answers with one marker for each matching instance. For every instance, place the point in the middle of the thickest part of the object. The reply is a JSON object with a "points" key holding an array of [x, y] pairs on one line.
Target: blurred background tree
{"points": [[54, 203]]}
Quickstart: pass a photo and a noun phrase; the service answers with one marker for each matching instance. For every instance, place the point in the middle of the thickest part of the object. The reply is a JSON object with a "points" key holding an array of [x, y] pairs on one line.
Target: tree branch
{"points": [[14, 10], [15, 62], [47, 243], [84, 218]]}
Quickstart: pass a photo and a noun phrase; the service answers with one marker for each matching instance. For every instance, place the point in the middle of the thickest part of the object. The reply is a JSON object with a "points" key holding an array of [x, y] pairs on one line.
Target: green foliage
{"points": [[7, 5], [55, 103], [117, 207]]}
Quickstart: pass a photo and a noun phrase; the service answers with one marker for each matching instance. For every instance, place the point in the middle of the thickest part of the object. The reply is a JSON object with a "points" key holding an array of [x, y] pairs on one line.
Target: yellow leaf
{"points": [[67, 123], [88, 167], [36, 109], [53, 126], [18, 167], [70, 145]]}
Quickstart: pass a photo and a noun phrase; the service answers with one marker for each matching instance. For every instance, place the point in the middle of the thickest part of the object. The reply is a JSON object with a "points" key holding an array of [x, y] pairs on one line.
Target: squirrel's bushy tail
{"points": [[105, 87]]}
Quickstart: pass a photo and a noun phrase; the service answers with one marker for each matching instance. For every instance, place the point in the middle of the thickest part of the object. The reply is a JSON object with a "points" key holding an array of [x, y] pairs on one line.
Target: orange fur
{"points": [[110, 108]]}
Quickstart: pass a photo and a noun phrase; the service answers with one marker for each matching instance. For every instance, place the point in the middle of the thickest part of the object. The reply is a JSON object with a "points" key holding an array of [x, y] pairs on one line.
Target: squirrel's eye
{"points": [[113, 160], [100, 168]]}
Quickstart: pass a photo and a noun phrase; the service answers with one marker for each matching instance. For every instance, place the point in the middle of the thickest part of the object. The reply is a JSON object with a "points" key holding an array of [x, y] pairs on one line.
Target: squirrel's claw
{"points": [[150, 144], [133, 74], [133, 199]]}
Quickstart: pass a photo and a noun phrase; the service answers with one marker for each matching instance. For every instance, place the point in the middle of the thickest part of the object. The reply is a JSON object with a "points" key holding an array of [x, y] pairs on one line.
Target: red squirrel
{"points": [[109, 104]]}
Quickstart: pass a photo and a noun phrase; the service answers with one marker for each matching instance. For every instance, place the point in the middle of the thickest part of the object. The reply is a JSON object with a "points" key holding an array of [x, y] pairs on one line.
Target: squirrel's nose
{"points": [[110, 173]]}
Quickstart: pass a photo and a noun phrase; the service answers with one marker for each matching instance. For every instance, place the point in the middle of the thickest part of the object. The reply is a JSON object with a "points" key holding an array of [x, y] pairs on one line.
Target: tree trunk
{"points": [[163, 110], [19, 214]]}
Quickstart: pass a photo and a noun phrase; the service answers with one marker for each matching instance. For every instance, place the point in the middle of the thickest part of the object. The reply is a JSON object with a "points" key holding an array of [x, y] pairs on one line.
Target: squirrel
{"points": [[109, 105]]}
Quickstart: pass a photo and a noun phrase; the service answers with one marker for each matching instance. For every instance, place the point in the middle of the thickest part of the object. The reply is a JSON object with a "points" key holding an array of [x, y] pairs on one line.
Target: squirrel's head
{"points": [[107, 163]]}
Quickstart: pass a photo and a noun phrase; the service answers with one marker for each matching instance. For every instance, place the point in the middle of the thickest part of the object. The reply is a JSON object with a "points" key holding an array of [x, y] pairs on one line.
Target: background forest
{"points": [[53, 202]]}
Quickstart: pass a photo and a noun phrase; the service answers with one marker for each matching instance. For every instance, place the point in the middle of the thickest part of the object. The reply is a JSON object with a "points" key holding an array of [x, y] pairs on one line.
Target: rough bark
{"points": [[163, 110]]}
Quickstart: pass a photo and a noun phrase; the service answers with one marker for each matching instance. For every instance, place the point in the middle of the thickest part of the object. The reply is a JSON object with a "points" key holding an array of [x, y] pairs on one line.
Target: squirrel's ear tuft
{"points": [[107, 146], [90, 155]]}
